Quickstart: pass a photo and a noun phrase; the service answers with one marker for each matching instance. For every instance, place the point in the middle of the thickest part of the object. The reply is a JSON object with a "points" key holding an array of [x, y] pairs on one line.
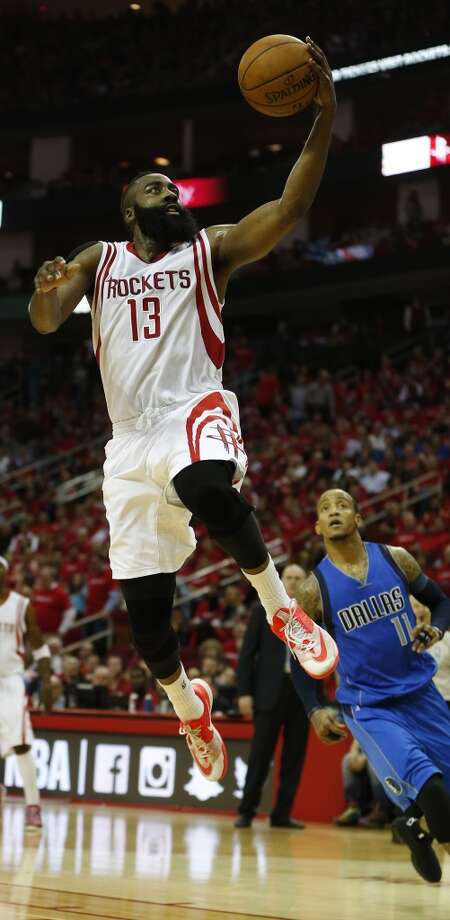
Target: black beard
{"points": [[166, 229]]}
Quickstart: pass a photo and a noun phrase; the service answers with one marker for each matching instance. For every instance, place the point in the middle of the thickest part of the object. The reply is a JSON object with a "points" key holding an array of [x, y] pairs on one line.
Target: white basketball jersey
{"points": [[12, 630], [157, 327]]}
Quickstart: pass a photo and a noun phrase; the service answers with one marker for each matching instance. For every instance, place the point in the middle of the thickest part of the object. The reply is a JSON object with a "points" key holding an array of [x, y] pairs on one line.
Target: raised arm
{"points": [[59, 286], [257, 233]]}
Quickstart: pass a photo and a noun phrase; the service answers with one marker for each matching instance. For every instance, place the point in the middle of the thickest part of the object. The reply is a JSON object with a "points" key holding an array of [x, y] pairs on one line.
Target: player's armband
{"points": [[432, 596]]}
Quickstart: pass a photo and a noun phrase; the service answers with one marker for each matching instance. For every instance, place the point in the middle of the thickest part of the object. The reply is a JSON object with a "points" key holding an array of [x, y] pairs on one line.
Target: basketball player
{"points": [[177, 448], [386, 690], [17, 618]]}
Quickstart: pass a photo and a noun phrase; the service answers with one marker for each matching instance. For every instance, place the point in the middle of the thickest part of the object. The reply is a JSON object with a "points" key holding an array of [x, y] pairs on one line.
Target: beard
{"points": [[166, 229]]}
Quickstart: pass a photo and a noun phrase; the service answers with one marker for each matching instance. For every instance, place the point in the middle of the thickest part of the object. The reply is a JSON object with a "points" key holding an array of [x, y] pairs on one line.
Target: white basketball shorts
{"points": [[15, 723], [149, 525]]}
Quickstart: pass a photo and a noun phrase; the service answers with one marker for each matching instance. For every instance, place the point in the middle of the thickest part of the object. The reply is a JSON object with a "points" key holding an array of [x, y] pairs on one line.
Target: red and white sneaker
{"points": [[313, 646], [33, 818], [203, 739]]}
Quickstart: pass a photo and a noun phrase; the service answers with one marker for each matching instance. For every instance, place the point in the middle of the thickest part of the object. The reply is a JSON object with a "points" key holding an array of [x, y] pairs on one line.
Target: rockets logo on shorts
{"points": [[212, 418]]}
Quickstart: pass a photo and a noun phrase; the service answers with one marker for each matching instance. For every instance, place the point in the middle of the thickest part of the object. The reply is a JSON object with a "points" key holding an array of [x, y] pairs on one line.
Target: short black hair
{"points": [[337, 489], [130, 183]]}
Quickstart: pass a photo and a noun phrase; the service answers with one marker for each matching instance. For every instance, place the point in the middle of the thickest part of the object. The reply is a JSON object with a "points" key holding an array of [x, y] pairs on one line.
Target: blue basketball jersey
{"points": [[372, 624]]}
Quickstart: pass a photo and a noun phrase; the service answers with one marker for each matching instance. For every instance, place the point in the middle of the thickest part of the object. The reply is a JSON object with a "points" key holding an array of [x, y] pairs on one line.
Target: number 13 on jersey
{"points": [[152, 309]]}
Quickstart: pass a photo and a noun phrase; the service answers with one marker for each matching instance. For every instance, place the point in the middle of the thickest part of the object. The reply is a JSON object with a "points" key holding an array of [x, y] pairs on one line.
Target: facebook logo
{"points": [[111, 768]]}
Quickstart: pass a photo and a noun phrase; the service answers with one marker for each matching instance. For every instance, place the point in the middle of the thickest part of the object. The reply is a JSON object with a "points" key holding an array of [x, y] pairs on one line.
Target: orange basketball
{"points": [[275, 76]]}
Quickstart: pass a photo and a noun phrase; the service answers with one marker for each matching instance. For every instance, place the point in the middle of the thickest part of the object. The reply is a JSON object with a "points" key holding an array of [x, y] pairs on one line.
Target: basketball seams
{"points": [[278, 77], [260, 54]]}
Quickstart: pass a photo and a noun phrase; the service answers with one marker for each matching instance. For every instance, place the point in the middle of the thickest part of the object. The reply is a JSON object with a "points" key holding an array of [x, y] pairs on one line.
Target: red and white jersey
{"points": [[12, 630], [157, 327]]}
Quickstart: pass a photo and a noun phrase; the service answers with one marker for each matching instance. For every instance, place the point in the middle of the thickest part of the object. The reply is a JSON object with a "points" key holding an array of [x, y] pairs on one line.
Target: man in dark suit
{"points": [[266, 694]]}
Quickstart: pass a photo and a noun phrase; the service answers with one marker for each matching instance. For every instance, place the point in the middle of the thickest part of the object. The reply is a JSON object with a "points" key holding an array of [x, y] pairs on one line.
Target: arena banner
{"points": [[414, 153], [151, 769], [202, 192]]}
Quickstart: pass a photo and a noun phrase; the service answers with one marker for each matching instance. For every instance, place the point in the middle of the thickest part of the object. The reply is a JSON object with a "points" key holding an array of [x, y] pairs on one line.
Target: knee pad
{"points": [[149, 602], [434, 800], [245, 545], [206, 489]]}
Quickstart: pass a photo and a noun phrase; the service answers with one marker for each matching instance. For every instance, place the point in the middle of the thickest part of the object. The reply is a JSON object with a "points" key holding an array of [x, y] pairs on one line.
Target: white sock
{"points": [[27, 769], [181, 694], [270, 588]]}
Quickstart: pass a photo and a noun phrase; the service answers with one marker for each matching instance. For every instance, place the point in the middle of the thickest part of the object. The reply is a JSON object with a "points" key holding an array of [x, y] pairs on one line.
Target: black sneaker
{"points": [[423, 857], [243, 821]]}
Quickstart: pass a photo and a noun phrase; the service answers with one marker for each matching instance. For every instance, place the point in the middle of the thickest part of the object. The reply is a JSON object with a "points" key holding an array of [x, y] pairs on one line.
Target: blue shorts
{"points": [[406, 740]]}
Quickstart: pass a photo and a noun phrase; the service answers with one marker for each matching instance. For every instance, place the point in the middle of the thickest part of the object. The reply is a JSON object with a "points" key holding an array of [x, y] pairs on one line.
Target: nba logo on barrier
{"points": [[157, 772], [112, 762]]}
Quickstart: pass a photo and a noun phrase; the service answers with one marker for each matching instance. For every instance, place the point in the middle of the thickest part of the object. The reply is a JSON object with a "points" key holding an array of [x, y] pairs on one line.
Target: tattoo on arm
{"points": [[310, 598], [410, 568]]}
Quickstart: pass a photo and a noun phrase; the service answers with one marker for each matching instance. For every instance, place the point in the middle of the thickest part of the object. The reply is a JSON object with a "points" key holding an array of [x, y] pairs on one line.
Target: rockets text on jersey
{"points": [[157, 327]]}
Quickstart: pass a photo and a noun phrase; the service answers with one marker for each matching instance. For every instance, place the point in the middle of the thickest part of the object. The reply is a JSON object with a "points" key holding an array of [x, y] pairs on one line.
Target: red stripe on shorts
{"points": [[210, 402]]}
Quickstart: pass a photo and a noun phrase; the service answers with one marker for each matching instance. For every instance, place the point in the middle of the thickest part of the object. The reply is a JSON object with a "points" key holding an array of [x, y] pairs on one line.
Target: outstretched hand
{"points": [[327, 727], [325, 97], [425, 636], [53, 274]]}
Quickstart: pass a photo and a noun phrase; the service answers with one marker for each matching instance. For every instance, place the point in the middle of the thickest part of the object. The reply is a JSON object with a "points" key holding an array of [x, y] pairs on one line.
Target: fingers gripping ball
{"points": [[275, 76]]}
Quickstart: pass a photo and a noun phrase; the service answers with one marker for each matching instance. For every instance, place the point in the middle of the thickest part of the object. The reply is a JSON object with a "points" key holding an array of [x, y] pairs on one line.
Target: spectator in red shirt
{"points": [[85, 651], [268, 389], [73, 564], [120, 685], [102, 595], [54, 611]]}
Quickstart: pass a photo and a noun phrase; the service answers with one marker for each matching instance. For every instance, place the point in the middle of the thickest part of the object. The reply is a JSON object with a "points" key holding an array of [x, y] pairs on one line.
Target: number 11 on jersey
{"points": [[404, 633], [152, 307]]}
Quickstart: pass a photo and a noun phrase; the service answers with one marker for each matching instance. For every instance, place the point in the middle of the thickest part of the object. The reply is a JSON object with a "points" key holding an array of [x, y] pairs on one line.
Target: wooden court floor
{"points": [[130, 864]]}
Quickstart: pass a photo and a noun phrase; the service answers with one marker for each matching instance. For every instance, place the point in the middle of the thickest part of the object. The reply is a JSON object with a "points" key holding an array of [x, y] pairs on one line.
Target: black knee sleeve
{"points": [[245, 545], [434, 800], [149, 602], [206, 489]]}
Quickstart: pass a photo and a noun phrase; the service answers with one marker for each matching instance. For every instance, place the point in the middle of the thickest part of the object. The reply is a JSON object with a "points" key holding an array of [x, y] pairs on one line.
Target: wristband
{"points": [[42, 652]]}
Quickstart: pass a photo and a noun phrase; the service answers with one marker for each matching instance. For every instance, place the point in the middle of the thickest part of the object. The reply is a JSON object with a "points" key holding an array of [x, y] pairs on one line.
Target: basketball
{"points": [[275, 76]]}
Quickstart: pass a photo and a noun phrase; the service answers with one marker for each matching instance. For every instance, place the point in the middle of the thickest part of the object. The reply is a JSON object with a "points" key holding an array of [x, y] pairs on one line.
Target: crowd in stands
{"points": [[381, 432], [75, 62], [357, 244]]}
